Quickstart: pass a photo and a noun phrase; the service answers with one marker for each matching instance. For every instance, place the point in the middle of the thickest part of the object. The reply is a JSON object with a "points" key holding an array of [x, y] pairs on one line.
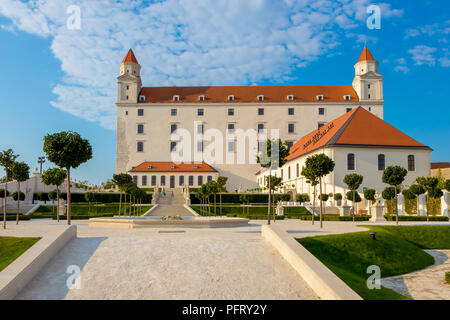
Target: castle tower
{"points": [[368, 83], [129, 81]]}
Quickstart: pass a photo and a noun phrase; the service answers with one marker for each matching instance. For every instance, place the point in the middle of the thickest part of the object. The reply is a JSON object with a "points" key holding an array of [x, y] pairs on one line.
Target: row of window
{"points": [[350, 166], [260, 97], [201, 111], [171, 181]]}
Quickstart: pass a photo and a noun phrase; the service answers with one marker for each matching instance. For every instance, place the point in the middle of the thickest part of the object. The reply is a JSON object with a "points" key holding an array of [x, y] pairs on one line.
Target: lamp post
{"points": [[41, 160]]}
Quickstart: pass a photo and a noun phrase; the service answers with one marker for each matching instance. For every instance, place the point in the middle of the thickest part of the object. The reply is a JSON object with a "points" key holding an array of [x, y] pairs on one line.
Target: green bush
{"points": [[447, 275], [335, 217], [102, 197], [337, 196], [234, 197], [416, 218]]}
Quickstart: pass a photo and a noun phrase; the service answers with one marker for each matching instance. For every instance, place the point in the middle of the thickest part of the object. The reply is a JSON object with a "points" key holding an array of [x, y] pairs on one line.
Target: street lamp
{"points": [[41, 160]]}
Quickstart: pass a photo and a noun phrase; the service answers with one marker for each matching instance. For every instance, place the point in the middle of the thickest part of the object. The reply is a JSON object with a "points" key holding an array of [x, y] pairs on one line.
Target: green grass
{"points": [[397, 250], [237, 211], [84, 211], [11, 248], [447, 277]]}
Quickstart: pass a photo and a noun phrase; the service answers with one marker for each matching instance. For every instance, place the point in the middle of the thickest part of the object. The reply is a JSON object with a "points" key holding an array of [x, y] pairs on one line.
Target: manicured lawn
{"points": [[11, 248], [84, 211], [397, 250]]}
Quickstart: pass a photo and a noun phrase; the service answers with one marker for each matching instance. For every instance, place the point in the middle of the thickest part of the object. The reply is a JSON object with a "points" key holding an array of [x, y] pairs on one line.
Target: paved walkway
{"points": [[226, 263], [170, 210], [426, 284]]}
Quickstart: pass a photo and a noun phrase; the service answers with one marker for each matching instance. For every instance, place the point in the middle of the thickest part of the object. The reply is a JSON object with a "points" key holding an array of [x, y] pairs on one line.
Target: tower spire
{"points": [[130, 57]]}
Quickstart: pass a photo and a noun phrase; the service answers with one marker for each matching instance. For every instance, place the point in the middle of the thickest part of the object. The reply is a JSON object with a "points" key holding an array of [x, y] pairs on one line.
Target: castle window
{"points": [[290, 97], [381, 162], [290, 144], [368, 86], [411, 163], [140, 146], [297, 170], [128, 87], [127, 98], [347, 97], [144, 180], [291, 111], [230, 146], [153, 180], [176, 98], [199, 146], [351, 161], [181, 181], [200, 112], [289, 173], [200, 180], [348, 109], [126, 113], [231, 97], [260, 97], [231, 112], [135, 179], [368, 96], [320, 124], [201, 98], [321, 111], [200, 128], [319, 97], [260, 127], [163, 180], [209, 178], [140, 112], [191, 180], [231, 127], [142, 98], [260, 111], [173, 128], [291, 127], [140, 128], [173, 146], [173, 112]]}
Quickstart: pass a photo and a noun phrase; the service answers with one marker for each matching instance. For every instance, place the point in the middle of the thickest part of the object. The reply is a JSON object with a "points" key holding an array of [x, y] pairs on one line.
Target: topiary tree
{"points": [[89, 197], [52, 197], [67, 150], [428, 183], [213, 189], [337, 196], [321, 165], [20, 172], [354, 197], [323, 197], [15, 196], [394, 176], [7, 158], [447, 185], [54, 177], [221, 182], [274, 155], [122, 180], [417, 190], [353, 181], [272, 184], [303, 197], [369, 194], [313, 180], [245, 200]]}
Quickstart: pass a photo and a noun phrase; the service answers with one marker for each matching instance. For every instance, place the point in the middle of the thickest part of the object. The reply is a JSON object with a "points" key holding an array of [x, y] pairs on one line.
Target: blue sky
{"points": [[55, 78]]}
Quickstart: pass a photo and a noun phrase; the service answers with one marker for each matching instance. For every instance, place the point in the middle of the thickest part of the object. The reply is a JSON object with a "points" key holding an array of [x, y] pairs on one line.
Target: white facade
{"points": [[144, 128]]}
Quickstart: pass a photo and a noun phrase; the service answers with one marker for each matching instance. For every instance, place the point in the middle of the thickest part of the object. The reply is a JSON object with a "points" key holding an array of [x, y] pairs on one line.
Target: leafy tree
{"points": [[269, 159], [321, 165], [221, 182], [55, 177], [52, 195], [408, 194], [213, 189], [323, 197], [15, 196], [244, 198], [353, 181], [200, 196], [121, 180], [388, 193], [447, 185], [67, 150], [417, 189], [313, 180], [428, 183], [303, 197], [354, 197], [337, 196], [20, 172], [394, 176], [272, 184], [369, 194], [436, 193], [7, 158], [89, 197]]}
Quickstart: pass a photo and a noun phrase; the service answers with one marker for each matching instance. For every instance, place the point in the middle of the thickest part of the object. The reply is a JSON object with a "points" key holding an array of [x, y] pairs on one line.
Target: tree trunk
{"points": [[269, 200], [353, 204], [215, 205], [4, 199], [396, 205], [120, 202], [18, 202], [428, 206], [220, 195], [129, 209], [124, 204], [321, 200], [68, 197], [57, 204], [314, 203]]}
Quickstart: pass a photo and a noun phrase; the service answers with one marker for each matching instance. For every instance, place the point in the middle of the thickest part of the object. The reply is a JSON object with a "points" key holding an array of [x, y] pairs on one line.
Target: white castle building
{"points": [[150, 119]]}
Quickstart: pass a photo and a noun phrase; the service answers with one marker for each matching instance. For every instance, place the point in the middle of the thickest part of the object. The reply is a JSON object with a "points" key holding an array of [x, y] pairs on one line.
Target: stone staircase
{"points": [[169, 205]]}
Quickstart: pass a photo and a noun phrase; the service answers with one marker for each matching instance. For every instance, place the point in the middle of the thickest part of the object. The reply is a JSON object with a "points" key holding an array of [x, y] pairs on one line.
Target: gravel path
{"points": [[227, 263]]}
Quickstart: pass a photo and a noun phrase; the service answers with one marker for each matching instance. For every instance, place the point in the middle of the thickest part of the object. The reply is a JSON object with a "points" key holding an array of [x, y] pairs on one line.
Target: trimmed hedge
{"points": [[103, 197], [234, 198], [12, 217], [334, 217], [416, 218]]}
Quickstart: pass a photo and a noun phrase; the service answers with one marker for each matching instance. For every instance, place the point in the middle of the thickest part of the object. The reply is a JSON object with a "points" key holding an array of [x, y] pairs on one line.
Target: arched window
{"points": [[351, 161], [411, 163], [381, 162], [297, 169]]}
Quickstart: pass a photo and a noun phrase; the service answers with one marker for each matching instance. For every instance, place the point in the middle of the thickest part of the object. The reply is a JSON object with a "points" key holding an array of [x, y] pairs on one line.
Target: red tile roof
{"points": [[366, 55], [249, 94], [358, 127], [439, 165], [168, 166], [130, 57]]}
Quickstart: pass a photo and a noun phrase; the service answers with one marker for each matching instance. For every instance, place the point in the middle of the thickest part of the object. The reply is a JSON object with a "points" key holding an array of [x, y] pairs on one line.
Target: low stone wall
{"points": [[325, 283], [20, 272]]}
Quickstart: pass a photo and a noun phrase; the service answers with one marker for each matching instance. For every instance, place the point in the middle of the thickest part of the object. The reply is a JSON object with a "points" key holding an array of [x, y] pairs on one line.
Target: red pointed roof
{"points": [[358, 127], [168, 166], [130, 57], [366, 55]]}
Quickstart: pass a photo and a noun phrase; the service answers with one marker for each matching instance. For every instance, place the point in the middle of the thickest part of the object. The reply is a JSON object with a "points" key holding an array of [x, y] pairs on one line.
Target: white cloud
{"points": [[182, 42], [423, 55], [403, 69]]}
